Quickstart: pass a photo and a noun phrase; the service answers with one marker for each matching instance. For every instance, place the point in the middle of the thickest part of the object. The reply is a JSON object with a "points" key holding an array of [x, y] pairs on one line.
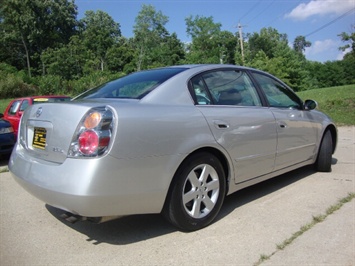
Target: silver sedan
{"points": [[172, 140]]}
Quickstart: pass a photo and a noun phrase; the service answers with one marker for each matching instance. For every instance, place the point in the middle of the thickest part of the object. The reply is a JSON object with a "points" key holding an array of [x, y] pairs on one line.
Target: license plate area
{"points": [[39, 138]]}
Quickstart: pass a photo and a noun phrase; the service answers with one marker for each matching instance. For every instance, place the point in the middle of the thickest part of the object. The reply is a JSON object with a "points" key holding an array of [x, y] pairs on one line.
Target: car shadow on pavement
{"points": [[136, 228], [262, 189], [122, 231], [4, 160]]}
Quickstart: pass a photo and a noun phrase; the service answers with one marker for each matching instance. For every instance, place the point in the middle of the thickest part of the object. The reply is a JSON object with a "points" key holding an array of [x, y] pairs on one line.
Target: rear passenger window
{"points": [[201, 94]]}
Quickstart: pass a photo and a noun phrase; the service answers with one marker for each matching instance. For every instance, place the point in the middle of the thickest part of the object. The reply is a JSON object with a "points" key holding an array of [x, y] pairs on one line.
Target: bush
{"points": [[92, 80], [12, 86], [8, 69], [49, 85], [16, 83], [13, 83]]}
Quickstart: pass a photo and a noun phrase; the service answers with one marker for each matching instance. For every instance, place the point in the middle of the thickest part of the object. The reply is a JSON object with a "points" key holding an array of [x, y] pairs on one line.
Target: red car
{"points": [[14, 110]]}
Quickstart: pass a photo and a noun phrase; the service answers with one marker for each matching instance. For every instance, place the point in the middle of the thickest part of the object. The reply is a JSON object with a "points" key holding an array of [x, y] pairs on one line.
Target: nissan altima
{"points": [[173, 140]]}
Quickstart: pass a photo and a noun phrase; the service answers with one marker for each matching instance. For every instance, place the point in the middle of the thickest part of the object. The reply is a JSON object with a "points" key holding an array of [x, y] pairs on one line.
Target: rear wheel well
{"points": [[220, 156], [198, 189]]}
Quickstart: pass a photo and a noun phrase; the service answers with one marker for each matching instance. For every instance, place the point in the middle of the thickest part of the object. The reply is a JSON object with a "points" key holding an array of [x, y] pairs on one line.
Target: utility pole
{"points": [[241, 41]]}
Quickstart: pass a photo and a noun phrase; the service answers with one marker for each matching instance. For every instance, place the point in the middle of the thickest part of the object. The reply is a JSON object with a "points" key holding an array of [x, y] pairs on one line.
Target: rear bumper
{"points": [[95, 187]]}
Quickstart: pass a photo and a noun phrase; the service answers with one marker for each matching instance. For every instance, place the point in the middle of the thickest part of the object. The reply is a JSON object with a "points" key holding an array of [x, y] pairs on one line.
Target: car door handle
{"points": [[282, 125], [221, 124]]}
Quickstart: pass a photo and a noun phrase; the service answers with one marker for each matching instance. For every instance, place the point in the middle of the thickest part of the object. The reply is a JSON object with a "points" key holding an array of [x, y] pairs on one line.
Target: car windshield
{"points": [[133, 86]]}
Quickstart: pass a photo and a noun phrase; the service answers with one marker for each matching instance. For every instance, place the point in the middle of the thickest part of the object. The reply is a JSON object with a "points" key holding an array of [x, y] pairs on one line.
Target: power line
{"points": [[331, 22], [251, 9], [261, 12], [282, 14]]}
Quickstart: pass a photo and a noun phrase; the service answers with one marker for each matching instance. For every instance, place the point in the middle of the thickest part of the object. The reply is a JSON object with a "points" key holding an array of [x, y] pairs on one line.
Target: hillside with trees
{"points": [[45, 49]]}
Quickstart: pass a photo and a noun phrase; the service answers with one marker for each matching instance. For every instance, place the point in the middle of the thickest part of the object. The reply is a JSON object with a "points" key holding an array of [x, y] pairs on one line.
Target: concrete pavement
{"points": [[252, 223]]}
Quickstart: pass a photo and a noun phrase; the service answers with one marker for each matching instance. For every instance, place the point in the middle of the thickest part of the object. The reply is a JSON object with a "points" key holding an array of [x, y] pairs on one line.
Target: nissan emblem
{"points": [[39, 112]]}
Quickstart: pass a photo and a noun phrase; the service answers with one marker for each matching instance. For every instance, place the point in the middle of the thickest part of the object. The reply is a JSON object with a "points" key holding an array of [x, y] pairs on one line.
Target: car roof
{"points": [[169, 92], [208, 66]]}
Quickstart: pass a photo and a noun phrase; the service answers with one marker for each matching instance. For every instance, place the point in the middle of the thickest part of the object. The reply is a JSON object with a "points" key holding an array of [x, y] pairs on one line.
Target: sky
{"points": [[321, 21]]}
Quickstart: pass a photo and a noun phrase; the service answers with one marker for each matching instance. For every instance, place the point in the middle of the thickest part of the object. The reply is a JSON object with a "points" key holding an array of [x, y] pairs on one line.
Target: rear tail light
{"points": [[88, 142], [93, 135], [5, 130]]}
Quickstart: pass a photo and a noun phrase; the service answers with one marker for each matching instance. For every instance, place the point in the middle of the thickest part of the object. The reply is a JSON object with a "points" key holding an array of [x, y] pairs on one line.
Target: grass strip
{"points": [[316, 219], [4, 170]]}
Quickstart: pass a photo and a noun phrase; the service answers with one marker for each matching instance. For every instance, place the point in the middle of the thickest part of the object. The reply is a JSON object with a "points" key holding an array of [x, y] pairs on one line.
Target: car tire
{"points": [[324, 158], [197, 192]]}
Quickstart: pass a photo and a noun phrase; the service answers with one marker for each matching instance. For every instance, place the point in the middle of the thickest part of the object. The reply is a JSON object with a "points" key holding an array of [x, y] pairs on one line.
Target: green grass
{"points": [[4, 170], [316, 220], [3, 104], [337, 102]]}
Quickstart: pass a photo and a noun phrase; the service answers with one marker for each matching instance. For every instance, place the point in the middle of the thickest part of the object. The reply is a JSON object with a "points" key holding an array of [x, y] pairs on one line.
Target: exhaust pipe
{"points": [[73, 218]]}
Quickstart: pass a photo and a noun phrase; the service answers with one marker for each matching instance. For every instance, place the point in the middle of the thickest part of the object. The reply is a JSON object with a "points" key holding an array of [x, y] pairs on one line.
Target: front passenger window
{"points": [[14, 107], [277, 94]]}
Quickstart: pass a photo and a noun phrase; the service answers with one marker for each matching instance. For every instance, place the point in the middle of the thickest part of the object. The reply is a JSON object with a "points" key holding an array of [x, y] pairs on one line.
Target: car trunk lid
{"points": [[46, 130]]}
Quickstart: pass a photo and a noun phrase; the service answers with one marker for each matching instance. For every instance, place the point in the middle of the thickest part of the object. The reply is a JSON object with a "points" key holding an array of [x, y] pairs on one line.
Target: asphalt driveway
{"points": [[251, 224]]}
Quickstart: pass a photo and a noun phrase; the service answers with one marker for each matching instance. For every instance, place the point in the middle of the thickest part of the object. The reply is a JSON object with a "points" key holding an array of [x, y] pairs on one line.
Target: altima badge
{"points": [[39, 112]]}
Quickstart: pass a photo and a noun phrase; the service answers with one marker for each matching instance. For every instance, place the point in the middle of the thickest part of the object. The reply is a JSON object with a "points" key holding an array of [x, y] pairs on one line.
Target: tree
{"points": [[348, 63], [348, 66], [120, 56], [68, 61], [269, 51], [350, 38], [34, 25], [100, 33], [300, 44], [170, 51], [268, 40], [206, 46], [148, 32], [154, 45], [226, 43]]}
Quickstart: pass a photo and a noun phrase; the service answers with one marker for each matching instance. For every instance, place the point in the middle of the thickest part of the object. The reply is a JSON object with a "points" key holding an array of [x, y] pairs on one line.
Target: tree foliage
{"points": [[154, 45], [268, 40], [100, 32], [206, 42], [349, 39], [300, 44], [45, 49], [70, 60], [34, 25]]}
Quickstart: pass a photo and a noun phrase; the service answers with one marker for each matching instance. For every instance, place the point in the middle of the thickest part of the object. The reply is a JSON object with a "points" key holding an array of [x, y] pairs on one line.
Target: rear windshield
{"points": [[133, 86], [51, 100]]}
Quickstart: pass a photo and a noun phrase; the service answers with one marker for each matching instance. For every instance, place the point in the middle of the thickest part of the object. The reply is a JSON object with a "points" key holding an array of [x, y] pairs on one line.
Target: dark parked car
{"points": [[7, 137], [14, 110], [172, 140]]}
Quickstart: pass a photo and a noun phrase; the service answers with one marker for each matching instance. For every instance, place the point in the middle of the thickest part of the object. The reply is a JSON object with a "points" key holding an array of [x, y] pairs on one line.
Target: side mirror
{"points": [[310, 105]]}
